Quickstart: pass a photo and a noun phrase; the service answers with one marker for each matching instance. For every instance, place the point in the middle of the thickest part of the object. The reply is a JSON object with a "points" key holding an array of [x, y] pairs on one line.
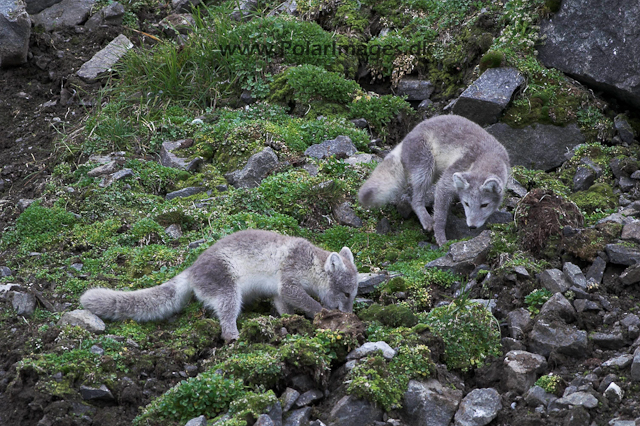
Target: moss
{"points": [[391, 315], [305, 83], [257, 367], [598, 196], [587, 243], [394, 285], [553, 6], [491, 59]]}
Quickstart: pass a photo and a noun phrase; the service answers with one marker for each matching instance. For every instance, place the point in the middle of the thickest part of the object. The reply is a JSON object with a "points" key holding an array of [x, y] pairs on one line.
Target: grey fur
{"points": [[237, 269], [459, 155]]}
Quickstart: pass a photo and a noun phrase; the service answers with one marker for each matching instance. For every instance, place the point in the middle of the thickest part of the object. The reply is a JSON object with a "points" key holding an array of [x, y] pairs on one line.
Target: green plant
{"points": [[550, 383], [536, 299], [305, 83], [208, 393], [385, 382], [492, 59], [379, 110], [469, 330]]}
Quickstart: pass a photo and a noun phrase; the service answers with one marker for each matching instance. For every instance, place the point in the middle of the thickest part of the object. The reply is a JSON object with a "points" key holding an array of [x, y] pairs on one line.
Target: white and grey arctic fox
{"points": [[459, 156], [238, 268]]}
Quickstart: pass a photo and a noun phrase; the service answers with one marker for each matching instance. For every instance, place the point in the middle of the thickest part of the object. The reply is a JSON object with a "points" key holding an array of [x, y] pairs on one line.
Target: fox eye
{"points": [[466, 204], [485, 205], [347, 295]]}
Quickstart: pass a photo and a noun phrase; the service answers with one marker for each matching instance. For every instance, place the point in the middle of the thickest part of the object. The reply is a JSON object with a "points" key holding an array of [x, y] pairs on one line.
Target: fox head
{"points": [[343, 281], [480, 198]]}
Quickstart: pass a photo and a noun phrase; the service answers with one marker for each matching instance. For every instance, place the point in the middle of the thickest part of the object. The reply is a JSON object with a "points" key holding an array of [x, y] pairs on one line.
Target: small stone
{"points": [[83, 319], [174, 231], [105, 59], [574, 274], [185, 192], [345, 215], [608, 340], [371, 347], [309, 397], [614, 393], [522, 369], [554, 281], [288, 398], [24, 303], [96, 350], [102, 393]]}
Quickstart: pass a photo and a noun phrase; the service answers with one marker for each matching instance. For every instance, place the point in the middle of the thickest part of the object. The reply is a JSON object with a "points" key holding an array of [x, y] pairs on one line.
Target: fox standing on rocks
{"points": [[456, 153], [236, 269]]}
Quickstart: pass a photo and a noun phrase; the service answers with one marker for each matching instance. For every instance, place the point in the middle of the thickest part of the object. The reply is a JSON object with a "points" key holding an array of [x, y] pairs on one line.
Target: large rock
{"points": [[429, 404], [256, 169], [105, 59], [37, 6], [478, 408], [350, 411], [66, 14], [556, 336], [539, 146], [15, 30], [597, 43], [486, 98]]}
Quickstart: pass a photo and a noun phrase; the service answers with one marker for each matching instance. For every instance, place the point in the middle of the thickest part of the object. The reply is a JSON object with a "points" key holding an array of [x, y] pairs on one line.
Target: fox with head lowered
{"points": [[459, 156], [237, 269]]}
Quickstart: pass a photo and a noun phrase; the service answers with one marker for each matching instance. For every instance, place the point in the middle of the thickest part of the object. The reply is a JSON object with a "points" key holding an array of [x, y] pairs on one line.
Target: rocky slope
{"points": [[119, 168]]}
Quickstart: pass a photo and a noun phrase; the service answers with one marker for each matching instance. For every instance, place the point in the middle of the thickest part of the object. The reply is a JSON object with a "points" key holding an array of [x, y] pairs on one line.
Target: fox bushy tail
{"points": [[148, 304], [386, 183]]}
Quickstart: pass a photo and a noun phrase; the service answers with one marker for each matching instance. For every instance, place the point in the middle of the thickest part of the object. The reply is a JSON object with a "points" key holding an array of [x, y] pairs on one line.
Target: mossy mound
{"points": [[587, 243], [541, 215], [598, 196], [391, 315]]}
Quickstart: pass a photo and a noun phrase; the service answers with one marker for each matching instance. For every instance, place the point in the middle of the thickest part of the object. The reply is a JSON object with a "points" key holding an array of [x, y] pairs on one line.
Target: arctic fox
{"points": [[456, 153], [236, 269]]}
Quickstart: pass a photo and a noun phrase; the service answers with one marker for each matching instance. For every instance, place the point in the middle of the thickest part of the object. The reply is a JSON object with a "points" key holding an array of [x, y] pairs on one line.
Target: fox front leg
{"points": [[293, 296], [443, 199]]}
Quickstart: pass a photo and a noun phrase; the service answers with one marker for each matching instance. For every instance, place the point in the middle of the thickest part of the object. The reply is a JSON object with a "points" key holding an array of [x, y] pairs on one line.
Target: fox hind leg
{"points": [[223, 299], [420, 181]]}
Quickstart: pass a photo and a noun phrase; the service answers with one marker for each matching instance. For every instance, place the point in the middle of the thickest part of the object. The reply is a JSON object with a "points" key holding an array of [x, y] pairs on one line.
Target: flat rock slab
{"points": [[105, 59], [340, 146], [540, 146], [486, 98], [66, 14], [15, 30]]}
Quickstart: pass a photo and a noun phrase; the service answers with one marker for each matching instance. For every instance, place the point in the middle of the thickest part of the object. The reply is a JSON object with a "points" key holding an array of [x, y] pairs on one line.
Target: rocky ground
{"points": [[556, 268]]}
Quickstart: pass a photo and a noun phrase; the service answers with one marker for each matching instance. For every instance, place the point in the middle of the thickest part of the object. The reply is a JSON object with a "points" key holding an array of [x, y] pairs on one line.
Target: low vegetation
{"points": [[85, 232]]}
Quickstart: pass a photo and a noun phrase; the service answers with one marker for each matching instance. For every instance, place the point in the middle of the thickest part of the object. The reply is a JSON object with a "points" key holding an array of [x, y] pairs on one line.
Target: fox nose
{"points": [[472, 227]]}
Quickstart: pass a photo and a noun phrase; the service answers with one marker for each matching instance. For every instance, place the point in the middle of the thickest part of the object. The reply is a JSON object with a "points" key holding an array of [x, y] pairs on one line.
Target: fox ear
{"points": [[346, 253], [492, 184], [459, 181], [334, 263]]}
